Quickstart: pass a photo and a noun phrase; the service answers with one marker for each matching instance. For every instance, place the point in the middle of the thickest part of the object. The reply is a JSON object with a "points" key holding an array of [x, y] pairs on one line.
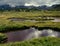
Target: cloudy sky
{"points": [[29, 2]]}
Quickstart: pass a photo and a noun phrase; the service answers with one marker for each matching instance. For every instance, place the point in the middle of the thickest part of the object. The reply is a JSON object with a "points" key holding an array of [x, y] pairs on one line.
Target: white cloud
{"points": [[29, 2]]}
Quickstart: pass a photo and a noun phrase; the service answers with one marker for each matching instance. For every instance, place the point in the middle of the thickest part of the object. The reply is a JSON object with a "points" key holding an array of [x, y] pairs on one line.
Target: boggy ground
{"points": [[12, 21], [20, 20]]}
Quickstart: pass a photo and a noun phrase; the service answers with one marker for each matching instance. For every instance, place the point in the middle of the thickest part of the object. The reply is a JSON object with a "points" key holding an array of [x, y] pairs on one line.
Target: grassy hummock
{"points": [[3, 38]]}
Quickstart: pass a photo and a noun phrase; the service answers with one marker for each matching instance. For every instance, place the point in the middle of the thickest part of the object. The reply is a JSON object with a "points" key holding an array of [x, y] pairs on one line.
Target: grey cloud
{"points": [[33, 2]]}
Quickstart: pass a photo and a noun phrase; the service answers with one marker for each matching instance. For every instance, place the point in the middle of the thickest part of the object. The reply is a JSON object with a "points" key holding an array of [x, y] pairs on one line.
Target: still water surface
{"points": [[27, 34]]}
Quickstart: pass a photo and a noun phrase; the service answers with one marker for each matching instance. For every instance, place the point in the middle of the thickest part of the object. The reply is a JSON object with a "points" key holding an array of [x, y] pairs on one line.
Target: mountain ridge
{"points": [[43, 7]]}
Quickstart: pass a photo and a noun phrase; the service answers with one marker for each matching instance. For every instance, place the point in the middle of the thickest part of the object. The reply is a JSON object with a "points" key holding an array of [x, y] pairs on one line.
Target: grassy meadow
{"points": [[7, 24], [35, 19]]}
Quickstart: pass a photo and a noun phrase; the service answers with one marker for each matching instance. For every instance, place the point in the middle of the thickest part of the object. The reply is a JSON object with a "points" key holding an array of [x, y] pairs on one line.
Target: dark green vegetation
{"points": [[3, 38], [44, 41]]}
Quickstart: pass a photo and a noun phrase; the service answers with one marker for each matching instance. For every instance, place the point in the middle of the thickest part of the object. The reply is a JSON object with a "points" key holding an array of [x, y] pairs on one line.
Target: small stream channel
{"points": [[21, 35], [43, 19]]}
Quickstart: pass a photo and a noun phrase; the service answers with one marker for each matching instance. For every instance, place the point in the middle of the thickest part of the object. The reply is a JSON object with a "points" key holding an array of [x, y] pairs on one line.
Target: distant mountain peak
{"points": [[43, 7]]}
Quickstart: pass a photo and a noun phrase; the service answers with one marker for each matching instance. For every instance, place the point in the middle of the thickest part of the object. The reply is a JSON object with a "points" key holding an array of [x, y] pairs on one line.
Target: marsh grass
{"points": [[43, 41], [3, 38], [6, 24]]}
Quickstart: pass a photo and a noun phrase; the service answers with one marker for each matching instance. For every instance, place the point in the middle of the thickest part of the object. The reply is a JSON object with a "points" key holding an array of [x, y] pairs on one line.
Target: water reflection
{"points": [[30, 33], [56, 20], [43, 19]]}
